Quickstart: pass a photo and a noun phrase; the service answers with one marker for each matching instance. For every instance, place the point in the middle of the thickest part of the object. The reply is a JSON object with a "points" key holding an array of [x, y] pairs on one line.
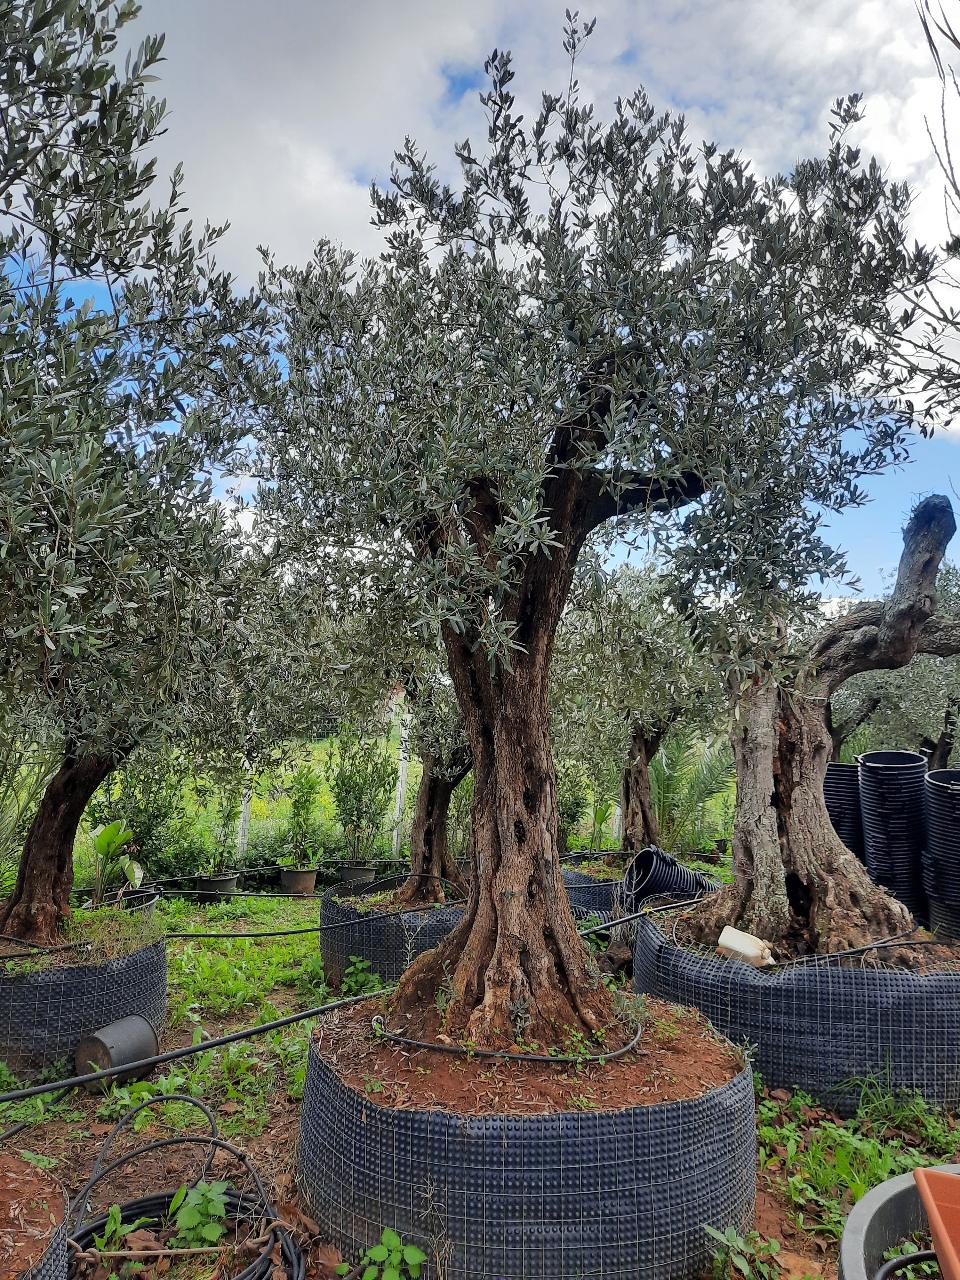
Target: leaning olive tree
{"points": [[599, 330], [625, 672], [129, 363]]}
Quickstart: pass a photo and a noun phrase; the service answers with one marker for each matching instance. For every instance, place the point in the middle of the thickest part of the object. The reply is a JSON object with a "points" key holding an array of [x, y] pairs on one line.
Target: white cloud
{"points": [[282, 112]]}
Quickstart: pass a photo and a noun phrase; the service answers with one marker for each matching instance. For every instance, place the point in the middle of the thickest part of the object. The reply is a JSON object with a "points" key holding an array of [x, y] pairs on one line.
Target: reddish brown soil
{"points": [[31, 1207], [679, 1058]]}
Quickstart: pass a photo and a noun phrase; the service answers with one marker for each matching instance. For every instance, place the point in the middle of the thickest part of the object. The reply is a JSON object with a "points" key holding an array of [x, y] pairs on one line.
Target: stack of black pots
{"points": [[892, 812], [941, 862], [841, 791]]}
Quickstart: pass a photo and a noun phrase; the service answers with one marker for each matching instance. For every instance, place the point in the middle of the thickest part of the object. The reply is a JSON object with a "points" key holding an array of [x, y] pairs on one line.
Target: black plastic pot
{"points": [[44, 1014], [818, 1025], [130, 1039], [144, 900], [389, 940], [652, 873], [841, 792], [944, 921], [215, 888], [942, 860], [543, 1197], [589, 892], [297, 881], [885, 1217], [894, 829], [355, 873]]}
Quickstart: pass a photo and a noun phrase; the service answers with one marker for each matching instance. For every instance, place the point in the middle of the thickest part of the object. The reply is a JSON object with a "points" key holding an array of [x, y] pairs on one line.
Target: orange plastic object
{"points": [[940, 1193]]}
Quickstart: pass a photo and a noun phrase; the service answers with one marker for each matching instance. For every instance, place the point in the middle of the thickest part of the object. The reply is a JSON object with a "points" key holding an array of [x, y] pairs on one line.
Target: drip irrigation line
{"points": [[174, 1055], [26, 1124], [636, 915], [381, 1029], [156, 1207]]}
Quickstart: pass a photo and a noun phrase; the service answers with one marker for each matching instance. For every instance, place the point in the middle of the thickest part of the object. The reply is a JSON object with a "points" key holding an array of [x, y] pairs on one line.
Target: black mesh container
{"points": [[389, 941], [55, 1263], [43, 1015], [942, 862], [892, 812], [589, 892], [819, 1025], [546, 1197], [841, 791]]}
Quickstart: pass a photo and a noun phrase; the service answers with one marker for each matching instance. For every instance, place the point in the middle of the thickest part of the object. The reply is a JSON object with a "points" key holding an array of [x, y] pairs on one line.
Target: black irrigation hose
{"points": [[27, 1124], [896, 1265], [174, 1055], [381, 1030], [156, 1207]]}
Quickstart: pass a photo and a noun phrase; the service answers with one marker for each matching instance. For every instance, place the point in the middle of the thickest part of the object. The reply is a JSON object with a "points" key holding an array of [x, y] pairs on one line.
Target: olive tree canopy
{"points": [[599, 328]]}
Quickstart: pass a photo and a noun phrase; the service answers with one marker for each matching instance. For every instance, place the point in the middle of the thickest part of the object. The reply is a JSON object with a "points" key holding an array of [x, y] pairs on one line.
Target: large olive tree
{"points": [[600, 330]]}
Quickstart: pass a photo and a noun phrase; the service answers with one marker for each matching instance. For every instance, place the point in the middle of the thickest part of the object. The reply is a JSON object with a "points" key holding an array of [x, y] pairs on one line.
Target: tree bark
{"points": [[796, 883], [938, 753], [640, 826], [40, 901], [433, 870], [514, 971]]}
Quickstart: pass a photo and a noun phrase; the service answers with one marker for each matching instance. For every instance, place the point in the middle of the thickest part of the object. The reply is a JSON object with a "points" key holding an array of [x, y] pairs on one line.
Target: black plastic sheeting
{"points": [[44, 1014], [818, 1025], [545, 1197], [390, 943], [894, 829], [55, 1263], [841, 792], [652, 873]]}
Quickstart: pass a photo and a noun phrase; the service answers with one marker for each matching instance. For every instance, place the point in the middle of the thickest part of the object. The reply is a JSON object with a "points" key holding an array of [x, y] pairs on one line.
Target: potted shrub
{"points": [[363, 779], [298, 862]]}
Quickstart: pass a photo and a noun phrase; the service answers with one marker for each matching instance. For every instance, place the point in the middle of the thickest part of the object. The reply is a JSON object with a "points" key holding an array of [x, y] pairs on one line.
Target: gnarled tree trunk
{"points": [[796, 883], [514, 970], [840, 732], [640, 827], [433, 871], [41, 897]]}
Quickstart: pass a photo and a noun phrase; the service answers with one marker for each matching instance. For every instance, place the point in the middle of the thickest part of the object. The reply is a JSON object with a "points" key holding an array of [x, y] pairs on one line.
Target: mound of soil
{"points": [[31, 1208], [679, 1057]]}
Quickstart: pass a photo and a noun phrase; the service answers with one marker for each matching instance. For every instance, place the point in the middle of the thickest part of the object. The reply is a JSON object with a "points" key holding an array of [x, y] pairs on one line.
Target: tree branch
{"points": [[886, 635]]}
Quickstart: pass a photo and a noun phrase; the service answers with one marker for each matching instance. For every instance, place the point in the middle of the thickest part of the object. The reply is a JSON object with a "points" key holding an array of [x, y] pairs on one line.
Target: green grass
{"points": [[826, 1165]]}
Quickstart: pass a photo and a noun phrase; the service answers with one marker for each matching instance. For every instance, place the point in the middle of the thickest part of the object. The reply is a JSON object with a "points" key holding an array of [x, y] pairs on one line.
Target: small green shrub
{"points": [[391, 1259]]}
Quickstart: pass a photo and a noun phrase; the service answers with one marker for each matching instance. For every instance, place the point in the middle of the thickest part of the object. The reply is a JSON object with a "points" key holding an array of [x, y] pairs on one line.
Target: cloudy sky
{"points": [[282, 112]]}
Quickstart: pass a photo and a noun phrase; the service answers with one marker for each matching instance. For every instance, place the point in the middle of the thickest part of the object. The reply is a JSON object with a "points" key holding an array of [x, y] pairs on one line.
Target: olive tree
{"points": [[129, 363], [625, 672], [599, 330]]}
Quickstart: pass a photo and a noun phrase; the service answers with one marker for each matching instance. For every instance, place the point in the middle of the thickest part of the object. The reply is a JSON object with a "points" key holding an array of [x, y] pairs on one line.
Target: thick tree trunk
{"points": [[515, 970], [796, 883], [433, 871], [640, 827], [41, 897]]}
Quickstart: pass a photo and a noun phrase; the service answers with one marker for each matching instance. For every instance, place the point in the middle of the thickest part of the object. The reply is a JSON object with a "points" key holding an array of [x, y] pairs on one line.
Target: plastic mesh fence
{"points": [[823, 1026], [611, 1194], [389, 944], [44, 1014], [55, 1263]]}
